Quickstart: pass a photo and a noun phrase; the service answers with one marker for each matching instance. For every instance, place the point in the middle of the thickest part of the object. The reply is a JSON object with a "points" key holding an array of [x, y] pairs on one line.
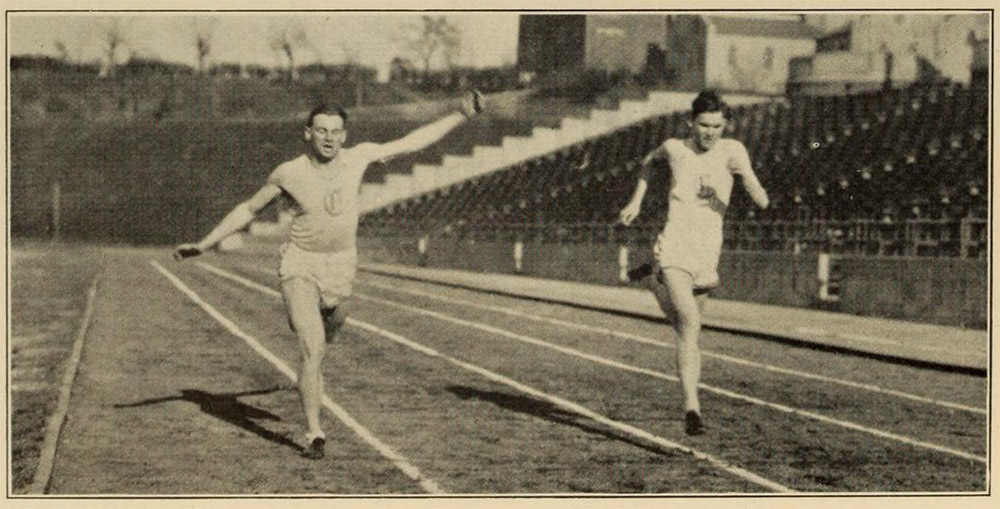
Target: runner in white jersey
{"points": [[687, 251], [318, 263]]}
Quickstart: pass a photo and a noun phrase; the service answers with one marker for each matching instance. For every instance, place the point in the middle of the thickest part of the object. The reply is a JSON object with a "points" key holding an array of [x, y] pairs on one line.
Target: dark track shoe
{"points": [[692, 423], [314, 450], [641, 272]]}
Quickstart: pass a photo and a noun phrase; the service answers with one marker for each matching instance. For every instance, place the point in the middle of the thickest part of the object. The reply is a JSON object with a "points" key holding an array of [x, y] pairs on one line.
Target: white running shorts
{"points": [[332, 273]]}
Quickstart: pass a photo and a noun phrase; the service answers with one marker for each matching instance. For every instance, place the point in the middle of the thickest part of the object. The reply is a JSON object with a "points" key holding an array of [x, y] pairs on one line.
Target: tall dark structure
{"points": [[549, 42], [686, 40]]}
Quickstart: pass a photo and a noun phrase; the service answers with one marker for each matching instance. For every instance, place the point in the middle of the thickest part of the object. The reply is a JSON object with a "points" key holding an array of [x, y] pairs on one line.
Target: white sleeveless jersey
{"points": [[692, 237], [326, 198]]}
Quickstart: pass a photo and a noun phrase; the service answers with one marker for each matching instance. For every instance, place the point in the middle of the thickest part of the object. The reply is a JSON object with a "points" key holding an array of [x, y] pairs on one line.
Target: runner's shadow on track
{"points": [[228, 408], [548, 411]]}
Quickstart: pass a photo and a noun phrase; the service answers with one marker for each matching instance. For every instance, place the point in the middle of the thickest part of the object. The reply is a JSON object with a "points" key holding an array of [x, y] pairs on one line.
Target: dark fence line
{"points": [[946, 291], [964, 238], [152, 212]]}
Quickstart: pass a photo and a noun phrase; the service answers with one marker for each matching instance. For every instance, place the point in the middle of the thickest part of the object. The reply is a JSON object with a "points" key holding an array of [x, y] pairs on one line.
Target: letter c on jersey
{"points": [[333, 202]]}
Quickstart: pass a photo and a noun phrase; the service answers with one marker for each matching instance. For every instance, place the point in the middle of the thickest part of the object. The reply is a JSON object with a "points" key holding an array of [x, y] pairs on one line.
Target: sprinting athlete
{"points": [[687, 251], [318, 262]]}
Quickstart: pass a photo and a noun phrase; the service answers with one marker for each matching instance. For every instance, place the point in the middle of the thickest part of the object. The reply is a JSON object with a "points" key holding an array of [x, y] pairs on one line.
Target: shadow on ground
{"points": [[228, 408], [552, 413]]}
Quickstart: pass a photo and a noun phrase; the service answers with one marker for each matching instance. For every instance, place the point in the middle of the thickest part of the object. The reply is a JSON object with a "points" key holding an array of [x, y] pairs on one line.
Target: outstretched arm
{"points": [[240, 216], [631, 211], [426, 135]]}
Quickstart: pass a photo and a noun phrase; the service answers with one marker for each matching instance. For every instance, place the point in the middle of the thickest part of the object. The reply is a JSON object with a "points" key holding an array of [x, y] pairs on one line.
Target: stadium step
{"points": [[453, 162], [542, 140], [487, 156], [423, 177]]}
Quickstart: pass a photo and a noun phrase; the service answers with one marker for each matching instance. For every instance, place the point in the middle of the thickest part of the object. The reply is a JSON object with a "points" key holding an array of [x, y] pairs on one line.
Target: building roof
{"points": [[762, 27]]}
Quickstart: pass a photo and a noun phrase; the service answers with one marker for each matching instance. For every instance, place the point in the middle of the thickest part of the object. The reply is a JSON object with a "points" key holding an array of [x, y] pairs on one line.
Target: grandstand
{"points": [[888, 172], [893, 172]]}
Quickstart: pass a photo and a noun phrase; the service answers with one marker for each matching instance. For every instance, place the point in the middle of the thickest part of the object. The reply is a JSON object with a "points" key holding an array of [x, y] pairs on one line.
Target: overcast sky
{"points": [[489, 39]]}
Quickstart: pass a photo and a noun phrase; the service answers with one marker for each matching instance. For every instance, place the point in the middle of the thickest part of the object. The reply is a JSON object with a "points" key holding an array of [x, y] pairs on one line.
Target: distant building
{"points": [[622, 42], [867, 51], [335, 73], [226, 70], [547, 43], [689, 52], [981, 57], [751, 54]]}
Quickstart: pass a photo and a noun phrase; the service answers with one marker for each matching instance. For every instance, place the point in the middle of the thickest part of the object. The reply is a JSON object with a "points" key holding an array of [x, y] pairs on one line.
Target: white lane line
{"points": [[658, 374], [29, 353], [401, 462], [812, 331], [32, 386], [864, 338], [555, 400], [47, 455], [579, 409], [650, 341], [34, 372]]}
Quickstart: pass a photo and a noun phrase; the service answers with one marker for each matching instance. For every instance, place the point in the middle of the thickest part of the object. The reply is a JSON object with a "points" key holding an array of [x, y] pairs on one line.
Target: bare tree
{"points": [[72, 50], [289, 39], [114, 38], [432, 34], [352, 59], [204, 30], [63, 51], [451, 40]]}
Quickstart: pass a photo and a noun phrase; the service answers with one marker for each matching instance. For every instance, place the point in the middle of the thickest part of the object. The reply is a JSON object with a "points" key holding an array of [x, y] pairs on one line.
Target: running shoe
{"points": [[692, 423], [314, 450], [641, 272]]}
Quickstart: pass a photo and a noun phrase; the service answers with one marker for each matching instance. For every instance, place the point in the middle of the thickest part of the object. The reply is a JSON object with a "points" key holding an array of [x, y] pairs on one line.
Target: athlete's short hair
{"points": [[709, 101], [327, 109]]}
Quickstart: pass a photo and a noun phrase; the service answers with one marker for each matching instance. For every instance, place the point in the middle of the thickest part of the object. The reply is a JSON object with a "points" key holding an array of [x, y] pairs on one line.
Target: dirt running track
{"points": [[167, 401]]}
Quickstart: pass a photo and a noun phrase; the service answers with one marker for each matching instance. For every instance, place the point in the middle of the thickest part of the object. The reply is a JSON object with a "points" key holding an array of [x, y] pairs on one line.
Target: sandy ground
{"points": [[169, 402], [48, 285]]}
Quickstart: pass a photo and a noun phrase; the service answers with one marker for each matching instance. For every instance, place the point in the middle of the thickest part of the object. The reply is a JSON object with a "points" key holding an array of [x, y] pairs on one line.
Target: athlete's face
{"points": [[708, 127], [325, 136]]}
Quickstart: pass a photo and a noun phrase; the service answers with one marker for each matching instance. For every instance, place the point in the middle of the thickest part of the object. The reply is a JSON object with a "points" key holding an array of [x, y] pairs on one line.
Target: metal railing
{"points": [[965, 238]]}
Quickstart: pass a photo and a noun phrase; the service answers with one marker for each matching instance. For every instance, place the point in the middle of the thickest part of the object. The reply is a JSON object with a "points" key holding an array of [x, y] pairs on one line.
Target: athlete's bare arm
{"points": [[755, 189], [240, 216], [751, 183], [631, 211], [426, 135]]}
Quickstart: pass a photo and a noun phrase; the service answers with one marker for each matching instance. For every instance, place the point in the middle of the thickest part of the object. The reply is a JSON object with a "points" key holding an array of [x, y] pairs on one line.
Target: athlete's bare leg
{"points": [[302, 300], [662, 294], [687, 323]]}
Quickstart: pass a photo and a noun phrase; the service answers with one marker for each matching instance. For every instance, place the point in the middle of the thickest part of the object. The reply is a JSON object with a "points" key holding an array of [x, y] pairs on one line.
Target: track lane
{"points": [[962, 389], [936, 426], [872, 459], [438, 295], [483, 437], [400, 462], [168, 403]]}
